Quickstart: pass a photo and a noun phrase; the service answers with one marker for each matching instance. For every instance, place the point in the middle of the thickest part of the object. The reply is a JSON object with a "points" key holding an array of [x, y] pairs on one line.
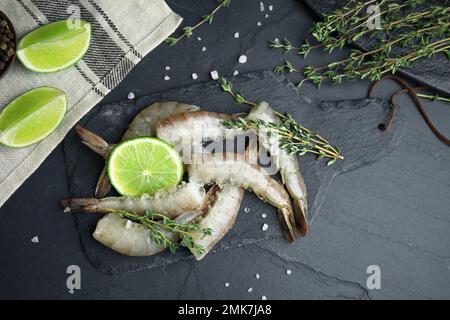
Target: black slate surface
{"points": [[350, 124], [393, 213], [434, 73]]}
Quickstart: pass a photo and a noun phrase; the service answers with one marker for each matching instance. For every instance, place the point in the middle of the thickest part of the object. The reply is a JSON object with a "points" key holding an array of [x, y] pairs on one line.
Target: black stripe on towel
{"points": [[115, 29], [118, 73], [30, 12]]}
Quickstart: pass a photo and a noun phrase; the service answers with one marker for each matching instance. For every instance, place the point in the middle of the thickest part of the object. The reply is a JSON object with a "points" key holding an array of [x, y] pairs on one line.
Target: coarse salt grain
{"points": [[66, 210], [243, 59], [214, 75], [35, 239], [259, 23], [194, 76], [235, 73], [167, 78], [131, 96], [261, 6], [167, 68], [271, 8], [263, 298], [236, 35], [264, 215], [288, 271], [227, 284], [199, 39], [257, 276], [266, 15], [246, 209], [265, 227], [250, 290]]}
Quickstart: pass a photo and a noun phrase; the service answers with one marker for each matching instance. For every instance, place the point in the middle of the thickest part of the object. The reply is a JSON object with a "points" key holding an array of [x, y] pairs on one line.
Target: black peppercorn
{"points": [[7, 45]]}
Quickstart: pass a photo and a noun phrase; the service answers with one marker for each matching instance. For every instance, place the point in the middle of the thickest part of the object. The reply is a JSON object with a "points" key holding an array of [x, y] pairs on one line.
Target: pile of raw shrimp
{"points": [[226, 174]]}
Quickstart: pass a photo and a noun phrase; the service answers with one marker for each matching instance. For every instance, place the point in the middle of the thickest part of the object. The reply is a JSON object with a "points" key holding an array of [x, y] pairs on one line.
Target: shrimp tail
{"points": [[93, 141], [103, 184], [287, 224], [301, 216], [82, 204]]}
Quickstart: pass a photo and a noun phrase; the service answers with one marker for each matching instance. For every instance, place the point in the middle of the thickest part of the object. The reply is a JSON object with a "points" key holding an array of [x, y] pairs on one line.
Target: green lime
{"points": [[144, 165], [32, 116], [55, 46]]}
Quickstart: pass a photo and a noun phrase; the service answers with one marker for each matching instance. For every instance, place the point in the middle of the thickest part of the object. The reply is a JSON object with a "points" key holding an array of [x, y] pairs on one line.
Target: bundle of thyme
{"points": [[159, 224], [189, 30], [293, 137], [413, 33]]}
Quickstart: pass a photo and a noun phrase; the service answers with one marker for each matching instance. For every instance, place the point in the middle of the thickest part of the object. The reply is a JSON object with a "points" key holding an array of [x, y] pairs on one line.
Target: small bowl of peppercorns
{"points": [[8, 43]]}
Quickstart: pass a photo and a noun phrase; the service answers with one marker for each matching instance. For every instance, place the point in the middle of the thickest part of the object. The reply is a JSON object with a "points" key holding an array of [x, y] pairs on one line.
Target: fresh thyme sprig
{"points": [[293, 137], [189, 30], [423, 33], [159, 225], [227, 86]]}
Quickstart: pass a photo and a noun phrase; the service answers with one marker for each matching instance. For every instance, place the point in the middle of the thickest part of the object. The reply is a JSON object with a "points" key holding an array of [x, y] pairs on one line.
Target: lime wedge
{"points": [[55, 46], [32, 116], [144, 165]]}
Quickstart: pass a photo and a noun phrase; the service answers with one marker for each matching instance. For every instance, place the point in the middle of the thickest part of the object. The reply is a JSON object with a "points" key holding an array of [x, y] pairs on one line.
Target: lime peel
{"points": [[55, 46], [32, 116]]}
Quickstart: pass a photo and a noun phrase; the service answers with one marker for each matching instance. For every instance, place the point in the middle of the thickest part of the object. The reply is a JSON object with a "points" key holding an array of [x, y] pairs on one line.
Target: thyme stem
{"points": [[188, 31]]}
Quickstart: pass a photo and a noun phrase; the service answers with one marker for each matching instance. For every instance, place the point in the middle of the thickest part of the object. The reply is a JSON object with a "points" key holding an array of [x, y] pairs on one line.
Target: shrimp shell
{"points": [[186, 197], [132, 239], [144, 124], [286, 164], [224, 168], [194, 128], [220, 217]]}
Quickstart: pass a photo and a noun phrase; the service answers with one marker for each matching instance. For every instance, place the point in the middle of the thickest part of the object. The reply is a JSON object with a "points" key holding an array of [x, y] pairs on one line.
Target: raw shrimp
{"points": [[286, 164], [220, 217], [224, 168], [144, 124], [191, 129], [183, 198], [133, 239]]}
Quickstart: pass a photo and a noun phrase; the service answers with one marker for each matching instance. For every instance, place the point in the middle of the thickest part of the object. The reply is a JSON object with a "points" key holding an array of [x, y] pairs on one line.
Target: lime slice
{"points": [[55, 46], [32, 116], [144, 165]]}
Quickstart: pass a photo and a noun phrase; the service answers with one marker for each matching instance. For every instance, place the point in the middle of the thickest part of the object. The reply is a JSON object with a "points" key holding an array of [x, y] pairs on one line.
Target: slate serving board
{"points": [[352, 125], [434, 73]]}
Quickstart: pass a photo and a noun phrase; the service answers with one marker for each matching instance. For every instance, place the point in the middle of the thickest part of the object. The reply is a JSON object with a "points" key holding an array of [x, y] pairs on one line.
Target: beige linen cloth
{"points": [[123, 32]]}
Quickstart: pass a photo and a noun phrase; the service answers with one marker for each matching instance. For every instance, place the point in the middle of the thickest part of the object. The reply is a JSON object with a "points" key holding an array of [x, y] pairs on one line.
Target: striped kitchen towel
{"points": [[123, 32]]}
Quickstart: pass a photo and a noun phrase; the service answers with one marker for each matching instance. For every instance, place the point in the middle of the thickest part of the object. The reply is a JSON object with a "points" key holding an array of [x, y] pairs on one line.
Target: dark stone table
{"points": [[394, 213]]}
